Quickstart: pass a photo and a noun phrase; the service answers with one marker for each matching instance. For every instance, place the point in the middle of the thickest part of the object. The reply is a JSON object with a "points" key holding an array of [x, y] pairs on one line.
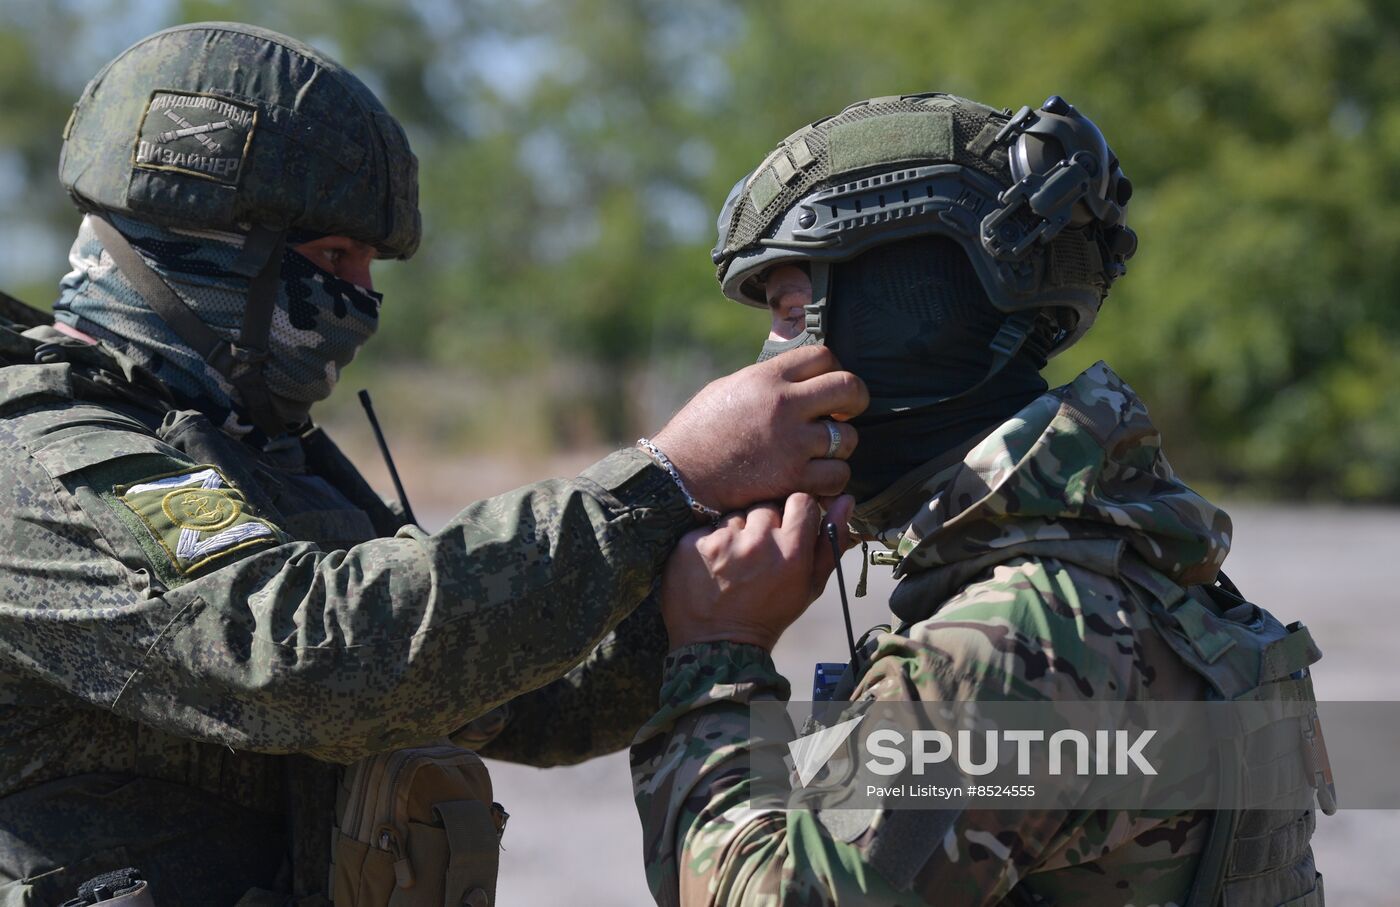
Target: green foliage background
{"points": [[574, 153]]}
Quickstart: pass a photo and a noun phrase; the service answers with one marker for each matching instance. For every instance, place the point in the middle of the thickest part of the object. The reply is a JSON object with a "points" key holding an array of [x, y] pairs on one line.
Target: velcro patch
{"points": [[196, 517], [888, 139], [763, 189], [198, 134]]}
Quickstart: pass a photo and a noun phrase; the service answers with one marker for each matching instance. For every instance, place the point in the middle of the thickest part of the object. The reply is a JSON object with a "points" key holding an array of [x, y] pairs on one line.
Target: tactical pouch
{"points": [[417, 828]]}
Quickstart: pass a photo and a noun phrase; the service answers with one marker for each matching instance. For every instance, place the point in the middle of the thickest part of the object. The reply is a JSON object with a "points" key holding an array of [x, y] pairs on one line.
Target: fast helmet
{"points": [[224, 126], [1035, 198]]}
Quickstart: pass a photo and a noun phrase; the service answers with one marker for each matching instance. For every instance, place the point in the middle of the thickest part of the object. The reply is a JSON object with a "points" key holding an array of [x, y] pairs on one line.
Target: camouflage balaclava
{"points": [[318, 324]]}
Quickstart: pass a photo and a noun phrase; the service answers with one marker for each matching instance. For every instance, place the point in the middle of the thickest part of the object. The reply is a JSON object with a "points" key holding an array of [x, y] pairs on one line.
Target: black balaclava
{"points": [[912, 319]]}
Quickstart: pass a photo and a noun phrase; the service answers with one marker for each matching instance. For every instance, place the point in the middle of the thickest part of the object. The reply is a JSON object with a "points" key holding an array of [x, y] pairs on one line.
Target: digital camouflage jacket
{"points": [[1028, 571], [184, 620]]}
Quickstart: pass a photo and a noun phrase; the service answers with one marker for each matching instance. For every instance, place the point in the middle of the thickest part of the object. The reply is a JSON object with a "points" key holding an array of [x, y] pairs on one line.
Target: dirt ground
{"points": [[574, 837]]}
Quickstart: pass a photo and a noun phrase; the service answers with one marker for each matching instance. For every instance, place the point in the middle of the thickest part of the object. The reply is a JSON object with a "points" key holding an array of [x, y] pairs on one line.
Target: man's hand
{"points": [[758, 434], [748, 579]]}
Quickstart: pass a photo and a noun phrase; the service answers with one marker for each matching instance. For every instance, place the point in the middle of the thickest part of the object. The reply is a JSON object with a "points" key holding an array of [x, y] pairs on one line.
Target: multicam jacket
{"points": [[184, 620], [1029, 570]]}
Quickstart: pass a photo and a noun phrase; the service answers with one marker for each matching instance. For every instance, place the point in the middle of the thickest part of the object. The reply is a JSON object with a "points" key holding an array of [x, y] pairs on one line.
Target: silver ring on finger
{"points": [[834, 445]]}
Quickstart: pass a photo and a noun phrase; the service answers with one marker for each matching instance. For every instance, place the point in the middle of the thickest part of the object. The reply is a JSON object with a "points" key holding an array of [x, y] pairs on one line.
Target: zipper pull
{"points": [[864, 568], [403, 868]]}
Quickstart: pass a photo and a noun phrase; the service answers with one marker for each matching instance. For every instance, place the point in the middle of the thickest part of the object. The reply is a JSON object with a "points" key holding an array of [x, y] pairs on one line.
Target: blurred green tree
{"points": [[574, 153]]}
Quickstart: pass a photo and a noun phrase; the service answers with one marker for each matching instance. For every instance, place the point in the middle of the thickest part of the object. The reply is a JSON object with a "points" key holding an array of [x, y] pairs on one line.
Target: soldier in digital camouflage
{"points": [[204, 609], [1044, 549]]}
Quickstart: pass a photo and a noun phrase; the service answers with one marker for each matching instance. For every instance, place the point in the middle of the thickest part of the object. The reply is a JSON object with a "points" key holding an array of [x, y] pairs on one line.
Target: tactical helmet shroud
{"points": [[224, 126], [1035, 199]]}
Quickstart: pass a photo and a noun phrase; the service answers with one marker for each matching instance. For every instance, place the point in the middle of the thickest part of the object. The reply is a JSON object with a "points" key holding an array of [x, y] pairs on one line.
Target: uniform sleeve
{"points": [[288, 648], [708, 841], [594, 709]]}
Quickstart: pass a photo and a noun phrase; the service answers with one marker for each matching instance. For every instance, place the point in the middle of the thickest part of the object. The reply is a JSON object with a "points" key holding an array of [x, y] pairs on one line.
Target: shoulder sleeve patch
{"points": [[195, 520]]}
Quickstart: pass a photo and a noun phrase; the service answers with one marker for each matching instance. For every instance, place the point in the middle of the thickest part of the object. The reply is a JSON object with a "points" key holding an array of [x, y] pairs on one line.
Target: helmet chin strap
{"points": [[1009, 339], [242, 361]]}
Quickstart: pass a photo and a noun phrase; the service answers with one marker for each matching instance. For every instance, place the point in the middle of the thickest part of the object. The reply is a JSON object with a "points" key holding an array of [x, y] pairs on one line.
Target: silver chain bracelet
{"points": [[709, 514]]}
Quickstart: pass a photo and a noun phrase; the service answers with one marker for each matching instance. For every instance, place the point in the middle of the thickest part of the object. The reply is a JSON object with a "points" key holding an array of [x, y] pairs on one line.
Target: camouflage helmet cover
{"points": [[218, 125], [1035, 198]]}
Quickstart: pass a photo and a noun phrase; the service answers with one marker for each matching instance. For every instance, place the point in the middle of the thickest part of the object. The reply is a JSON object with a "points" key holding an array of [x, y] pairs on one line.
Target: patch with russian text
{"points": [[196, 517], [198, 134]]}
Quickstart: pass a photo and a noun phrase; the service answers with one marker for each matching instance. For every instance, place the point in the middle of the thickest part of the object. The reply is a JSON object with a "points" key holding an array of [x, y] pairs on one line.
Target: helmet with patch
{"points": [[221, 125], [1035, 198]]}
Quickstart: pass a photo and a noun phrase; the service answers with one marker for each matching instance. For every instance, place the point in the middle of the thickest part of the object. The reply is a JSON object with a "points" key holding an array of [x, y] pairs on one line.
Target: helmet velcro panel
{"points": [[929, 128], [896, 137]]}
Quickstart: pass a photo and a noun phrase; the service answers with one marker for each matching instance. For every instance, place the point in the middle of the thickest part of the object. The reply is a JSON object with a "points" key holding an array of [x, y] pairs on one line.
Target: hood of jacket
{"points": [[1078, 475]]}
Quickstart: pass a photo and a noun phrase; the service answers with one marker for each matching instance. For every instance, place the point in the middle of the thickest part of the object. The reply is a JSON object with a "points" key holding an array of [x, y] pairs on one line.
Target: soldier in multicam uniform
{"points": [[1045, 550], [203, 606]]}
